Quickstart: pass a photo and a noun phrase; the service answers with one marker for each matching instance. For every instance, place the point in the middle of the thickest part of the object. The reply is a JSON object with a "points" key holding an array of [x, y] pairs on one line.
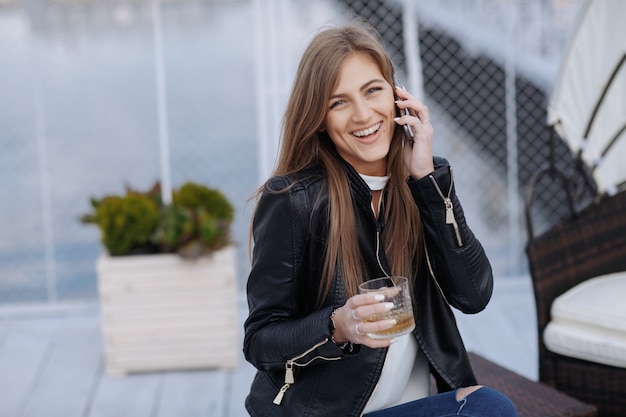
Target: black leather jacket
{"points": [[301, 372]]}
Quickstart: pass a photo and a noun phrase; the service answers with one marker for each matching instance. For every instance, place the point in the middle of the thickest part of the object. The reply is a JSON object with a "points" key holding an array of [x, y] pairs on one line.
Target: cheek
{"points": [[330, 125], [329, 122], [335, 124], [393, 109]]}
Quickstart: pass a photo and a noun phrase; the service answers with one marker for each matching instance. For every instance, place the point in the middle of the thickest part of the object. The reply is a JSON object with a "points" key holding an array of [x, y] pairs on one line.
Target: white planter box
{"points": [[162, 312]]}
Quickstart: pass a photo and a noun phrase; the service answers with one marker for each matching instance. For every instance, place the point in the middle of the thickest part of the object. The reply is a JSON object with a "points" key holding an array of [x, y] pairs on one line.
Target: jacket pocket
{"points": [[293, 362], [447, 202]]}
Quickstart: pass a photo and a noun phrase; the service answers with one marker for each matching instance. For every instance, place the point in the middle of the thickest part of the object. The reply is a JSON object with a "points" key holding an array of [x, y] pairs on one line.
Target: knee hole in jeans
{"points": [[462, 393]]}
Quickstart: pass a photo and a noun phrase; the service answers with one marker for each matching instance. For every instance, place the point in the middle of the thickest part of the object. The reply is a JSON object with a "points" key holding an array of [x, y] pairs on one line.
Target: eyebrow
{"points": [[363, 87]]}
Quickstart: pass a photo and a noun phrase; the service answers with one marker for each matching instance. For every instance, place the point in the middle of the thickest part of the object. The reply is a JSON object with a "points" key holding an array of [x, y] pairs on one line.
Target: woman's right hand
{"points": [[418, 157], [349, 324]]}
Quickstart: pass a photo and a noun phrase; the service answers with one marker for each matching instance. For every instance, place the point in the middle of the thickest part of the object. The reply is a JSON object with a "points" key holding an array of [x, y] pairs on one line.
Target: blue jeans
{"points": [[484, 402]]}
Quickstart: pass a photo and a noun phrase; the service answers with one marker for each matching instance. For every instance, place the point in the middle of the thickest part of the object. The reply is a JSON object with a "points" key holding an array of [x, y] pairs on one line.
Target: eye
{"points": [[373, 90], [336, 103]]}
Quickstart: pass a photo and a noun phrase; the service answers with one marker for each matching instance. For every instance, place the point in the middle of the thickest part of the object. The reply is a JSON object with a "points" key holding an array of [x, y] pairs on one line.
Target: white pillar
{"points": [[410, 34], [513, 199], [162, 114]]}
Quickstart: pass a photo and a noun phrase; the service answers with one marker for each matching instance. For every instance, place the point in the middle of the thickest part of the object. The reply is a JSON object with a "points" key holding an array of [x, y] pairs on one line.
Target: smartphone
{"points": [[407, 128]]}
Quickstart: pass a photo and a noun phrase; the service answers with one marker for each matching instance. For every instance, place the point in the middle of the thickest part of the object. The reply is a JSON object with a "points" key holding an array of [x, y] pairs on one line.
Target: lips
{"points": [[366, 132]]}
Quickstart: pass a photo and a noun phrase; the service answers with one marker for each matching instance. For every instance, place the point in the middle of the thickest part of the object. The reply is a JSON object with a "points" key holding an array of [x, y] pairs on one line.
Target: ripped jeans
{"points": [[484, 402]]}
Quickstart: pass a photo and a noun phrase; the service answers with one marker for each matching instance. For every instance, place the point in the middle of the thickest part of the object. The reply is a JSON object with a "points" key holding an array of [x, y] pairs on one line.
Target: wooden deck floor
{"points": [[51, 363]]}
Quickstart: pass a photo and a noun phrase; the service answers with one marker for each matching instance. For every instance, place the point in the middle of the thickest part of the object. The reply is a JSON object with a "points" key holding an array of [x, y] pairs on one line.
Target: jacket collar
{"points": [[360, 190]]}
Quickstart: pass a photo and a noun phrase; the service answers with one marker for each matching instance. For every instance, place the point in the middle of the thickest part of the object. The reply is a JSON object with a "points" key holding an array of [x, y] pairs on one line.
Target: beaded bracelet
{"points": [[346, 347]]}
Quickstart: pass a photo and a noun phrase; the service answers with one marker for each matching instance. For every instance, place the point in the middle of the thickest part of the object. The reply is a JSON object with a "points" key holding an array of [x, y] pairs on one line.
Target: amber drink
{"points": [[396, 290]]}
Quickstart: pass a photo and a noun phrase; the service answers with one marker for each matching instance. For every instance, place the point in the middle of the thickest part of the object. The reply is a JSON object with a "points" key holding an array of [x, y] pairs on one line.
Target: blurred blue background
{"points": [[90, 89]]}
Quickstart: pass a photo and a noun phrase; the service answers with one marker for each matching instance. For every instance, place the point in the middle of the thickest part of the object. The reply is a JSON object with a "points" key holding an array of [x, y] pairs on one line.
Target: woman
{"points": [[353, 198]]}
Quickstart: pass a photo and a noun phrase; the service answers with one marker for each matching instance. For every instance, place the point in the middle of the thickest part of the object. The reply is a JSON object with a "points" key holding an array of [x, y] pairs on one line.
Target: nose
{"points": [[361, 111]]}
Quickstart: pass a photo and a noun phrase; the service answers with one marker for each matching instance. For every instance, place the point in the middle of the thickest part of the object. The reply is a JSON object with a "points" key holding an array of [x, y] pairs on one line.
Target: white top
{"points": [[375, 183], [405, 376]]}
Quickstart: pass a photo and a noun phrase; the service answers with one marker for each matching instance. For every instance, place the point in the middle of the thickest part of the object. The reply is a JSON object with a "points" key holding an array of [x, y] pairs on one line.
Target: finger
{"points": [[402, 93], [371, 311], [420, 111], [377, 343], [423, 115], [418, 115], [360, 305], [364, 299], [368, 327], [416, 108]]}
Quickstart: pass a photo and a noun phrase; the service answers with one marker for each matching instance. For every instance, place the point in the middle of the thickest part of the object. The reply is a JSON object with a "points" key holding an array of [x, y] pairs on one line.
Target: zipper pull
{"points": [[450, 219], [289, 379], [289, 376], [279, 397], [449, 211]]}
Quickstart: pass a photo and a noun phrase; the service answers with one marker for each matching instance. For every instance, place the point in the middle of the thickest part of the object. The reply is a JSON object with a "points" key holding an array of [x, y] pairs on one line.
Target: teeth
{"points": [[366, 132]]}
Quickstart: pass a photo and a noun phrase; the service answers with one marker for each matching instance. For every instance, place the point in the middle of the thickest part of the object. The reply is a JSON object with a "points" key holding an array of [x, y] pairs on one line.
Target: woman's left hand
{"points": [[418, 157], [349, 323]]}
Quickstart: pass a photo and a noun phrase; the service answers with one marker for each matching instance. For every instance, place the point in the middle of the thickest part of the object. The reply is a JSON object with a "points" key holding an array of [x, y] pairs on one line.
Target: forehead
{"points": [[356, 70]]}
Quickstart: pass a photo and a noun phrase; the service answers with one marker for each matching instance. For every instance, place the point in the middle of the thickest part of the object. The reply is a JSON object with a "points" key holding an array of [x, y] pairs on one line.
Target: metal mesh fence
{"points": [[466, 88], [79, 119]]}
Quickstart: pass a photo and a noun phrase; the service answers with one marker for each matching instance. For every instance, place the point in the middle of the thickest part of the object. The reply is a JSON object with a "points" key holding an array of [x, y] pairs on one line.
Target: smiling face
{"points": [[360, 115]]}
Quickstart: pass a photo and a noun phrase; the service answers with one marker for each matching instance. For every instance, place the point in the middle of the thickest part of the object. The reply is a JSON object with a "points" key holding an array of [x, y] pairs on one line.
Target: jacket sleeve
{"points": [[276, 329], [459, 264]]}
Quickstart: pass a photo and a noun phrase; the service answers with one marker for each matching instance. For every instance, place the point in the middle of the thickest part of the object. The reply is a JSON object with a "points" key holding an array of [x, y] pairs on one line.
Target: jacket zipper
{"points": [[380, 265], [447, 201], [432, 274], [378, 232], [289, 376]]}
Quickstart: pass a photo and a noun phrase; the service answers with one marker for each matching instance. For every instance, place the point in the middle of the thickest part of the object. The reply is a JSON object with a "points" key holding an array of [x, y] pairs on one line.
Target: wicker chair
{"points": [[532, 399], [591, 242]]}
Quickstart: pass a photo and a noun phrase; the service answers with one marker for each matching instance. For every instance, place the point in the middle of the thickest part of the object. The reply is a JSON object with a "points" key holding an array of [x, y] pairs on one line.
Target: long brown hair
{"points": [[305, 144]]}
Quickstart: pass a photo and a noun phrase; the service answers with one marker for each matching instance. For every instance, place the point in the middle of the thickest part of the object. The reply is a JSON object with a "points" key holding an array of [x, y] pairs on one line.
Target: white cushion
{"points": [[589, 321]]}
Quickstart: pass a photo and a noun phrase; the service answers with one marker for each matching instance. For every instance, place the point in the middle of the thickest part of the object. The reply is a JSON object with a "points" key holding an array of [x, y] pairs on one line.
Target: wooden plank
{"points": [[238, 389], [222, 318], [135, 266], [44, 361], [200, 301], [119, 367], [21, 355], [192, 394], [135, 396], [65, 384], [241, 377], [195, 292]]}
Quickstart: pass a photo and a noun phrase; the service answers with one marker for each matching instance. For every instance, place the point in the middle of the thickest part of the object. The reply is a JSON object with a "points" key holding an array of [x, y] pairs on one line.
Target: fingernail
{"points": [[388, 306], [395, 119], [379, 297], [392, 322]]}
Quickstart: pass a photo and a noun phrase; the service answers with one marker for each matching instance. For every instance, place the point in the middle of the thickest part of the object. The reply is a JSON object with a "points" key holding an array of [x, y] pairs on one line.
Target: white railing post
{"points": [[162, 114], [410, 34], [270, 75], [513, 197], [44, 175]]}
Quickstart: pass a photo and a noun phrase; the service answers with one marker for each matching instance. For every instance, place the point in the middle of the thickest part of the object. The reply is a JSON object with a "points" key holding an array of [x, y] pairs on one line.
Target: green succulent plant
{"points": [[197, 197], [198, 221]]}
